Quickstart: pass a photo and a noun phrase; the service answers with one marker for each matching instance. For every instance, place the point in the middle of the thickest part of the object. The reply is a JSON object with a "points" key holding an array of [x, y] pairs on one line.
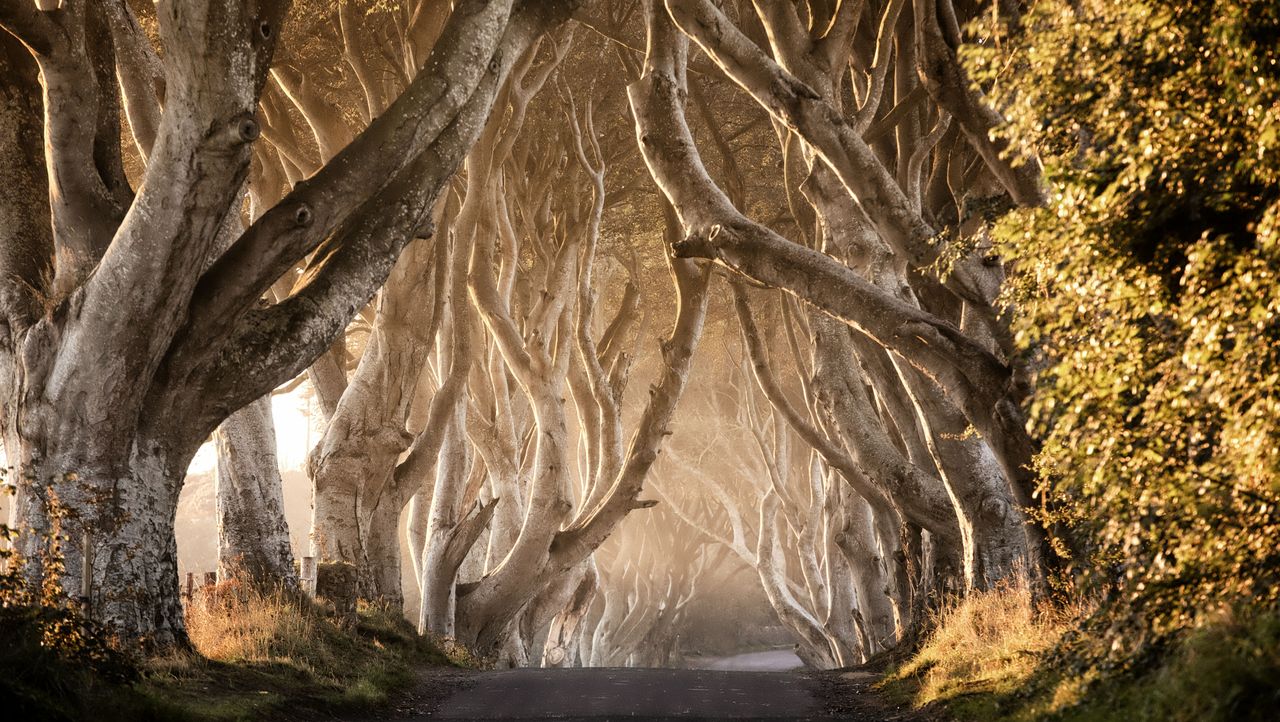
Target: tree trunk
{"points": [[380, 567], [335, 518], [565, 632], [815, 647], [856, 541], [440, 568], [993, 529], [253, 537], [120, 511]]}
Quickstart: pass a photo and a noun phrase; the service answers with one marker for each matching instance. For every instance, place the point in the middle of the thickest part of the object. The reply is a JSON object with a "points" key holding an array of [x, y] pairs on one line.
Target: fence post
{"points": [[308, 575], [191, 586], [86, 569], [210, 588]]}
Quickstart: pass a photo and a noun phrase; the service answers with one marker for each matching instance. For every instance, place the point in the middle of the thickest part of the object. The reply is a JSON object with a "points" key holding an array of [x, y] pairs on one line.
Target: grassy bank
{"points": [[996, 657], [257, 656]]}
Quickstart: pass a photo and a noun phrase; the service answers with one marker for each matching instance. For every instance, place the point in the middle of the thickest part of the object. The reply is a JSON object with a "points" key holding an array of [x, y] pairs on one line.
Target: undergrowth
{"points": [[998, 657], [260, 651], [255, 655], [51, 656]]}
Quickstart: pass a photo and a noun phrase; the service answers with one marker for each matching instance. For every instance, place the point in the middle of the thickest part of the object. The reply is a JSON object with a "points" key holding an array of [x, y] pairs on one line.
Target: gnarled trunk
{"points": [[567, 627], [253, 537], [119, 511]]}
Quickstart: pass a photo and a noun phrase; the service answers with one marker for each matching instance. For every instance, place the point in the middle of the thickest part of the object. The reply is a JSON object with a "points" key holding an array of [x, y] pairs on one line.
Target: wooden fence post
{"points": [[86, 569], [308, 575]]}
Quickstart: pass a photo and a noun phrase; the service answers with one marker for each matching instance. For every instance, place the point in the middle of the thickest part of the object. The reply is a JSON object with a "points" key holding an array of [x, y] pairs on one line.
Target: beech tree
{"points": [[783, 514], [545, 539], [471, 339], [651, 571], [134, 320], [885, 217]]}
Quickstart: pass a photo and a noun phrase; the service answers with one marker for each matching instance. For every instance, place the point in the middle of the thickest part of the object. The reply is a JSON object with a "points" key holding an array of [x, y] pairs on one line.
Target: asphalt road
{"points": [[578, 695], [632, 694], [773, 660]]}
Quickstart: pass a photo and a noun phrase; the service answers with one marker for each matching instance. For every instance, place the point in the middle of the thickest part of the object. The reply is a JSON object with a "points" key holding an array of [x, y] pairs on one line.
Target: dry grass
{"points": [[258, 655], [986, 660], [238, 623], [986, 643], [261, 652]]}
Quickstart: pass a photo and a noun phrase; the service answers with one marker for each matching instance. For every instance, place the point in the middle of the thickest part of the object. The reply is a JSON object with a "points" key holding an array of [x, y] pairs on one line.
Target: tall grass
{"points": [[997, 656], [234, 622], [985, 643], [282, 645]]}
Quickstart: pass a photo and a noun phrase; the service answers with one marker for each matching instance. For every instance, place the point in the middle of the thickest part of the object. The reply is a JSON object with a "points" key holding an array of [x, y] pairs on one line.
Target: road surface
{"points": [[773, 660], [636, 695]]}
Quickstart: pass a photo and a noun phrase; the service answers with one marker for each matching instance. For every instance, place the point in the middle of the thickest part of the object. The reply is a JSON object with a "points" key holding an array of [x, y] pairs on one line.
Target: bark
{"points": [[868, 460], [539, 355], [354, 462], [379, 577], [26, 239], [151, 336], [567, 627], [141, 77], [854, 536], [120, 515], [994, 530], [950, 87], [437, 577], [253, 538], [841, 392], [815, 648]]}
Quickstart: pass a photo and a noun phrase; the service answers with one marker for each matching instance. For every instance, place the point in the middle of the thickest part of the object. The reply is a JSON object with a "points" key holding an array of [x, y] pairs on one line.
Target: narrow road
{"points": [[647, 694], [772, 660]]}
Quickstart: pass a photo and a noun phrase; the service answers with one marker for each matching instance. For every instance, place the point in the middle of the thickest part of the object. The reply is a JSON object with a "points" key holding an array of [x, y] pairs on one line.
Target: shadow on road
{"points": [[648, 694]]}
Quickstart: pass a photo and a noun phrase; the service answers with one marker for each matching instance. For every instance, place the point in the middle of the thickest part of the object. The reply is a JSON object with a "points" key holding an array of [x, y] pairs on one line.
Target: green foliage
{"points": [[1146, 297]]}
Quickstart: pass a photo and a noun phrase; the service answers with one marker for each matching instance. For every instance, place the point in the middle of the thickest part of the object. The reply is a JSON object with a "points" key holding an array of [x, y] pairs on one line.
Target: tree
{"points": [[150, 330], [253, 537], [1146, 298], [882, 308]]}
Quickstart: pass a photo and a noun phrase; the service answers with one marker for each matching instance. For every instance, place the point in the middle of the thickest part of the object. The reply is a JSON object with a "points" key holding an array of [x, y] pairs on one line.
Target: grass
{"points": [[983, 648], [989, 658], [269, 651], [257, 655]]}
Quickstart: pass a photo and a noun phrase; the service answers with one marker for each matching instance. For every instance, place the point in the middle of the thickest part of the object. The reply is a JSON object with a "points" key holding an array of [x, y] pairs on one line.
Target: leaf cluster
{"points": [[1145, 296]]}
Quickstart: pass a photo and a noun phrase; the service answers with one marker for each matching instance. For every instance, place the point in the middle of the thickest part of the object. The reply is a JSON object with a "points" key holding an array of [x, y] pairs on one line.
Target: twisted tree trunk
{"points": [[253, 537], [150, 333]]}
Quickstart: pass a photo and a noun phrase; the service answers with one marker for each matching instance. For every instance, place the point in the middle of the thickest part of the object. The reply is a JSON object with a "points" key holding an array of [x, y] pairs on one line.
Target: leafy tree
{"points": [[1146, 295]]}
